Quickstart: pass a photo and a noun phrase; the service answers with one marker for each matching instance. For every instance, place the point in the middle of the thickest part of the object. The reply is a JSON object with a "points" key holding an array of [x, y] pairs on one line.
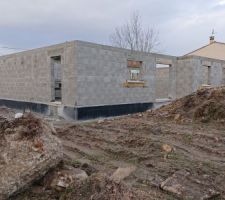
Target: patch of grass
{"points": [[171, 198], [76, 163], [67, 194], [208, 165], [97, 158], [174, 156], [133, 161], [180, 161], [188, 138]]}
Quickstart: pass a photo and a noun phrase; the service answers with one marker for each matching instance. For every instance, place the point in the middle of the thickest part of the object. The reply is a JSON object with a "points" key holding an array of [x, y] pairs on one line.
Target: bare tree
{"points": [[133, 36]]}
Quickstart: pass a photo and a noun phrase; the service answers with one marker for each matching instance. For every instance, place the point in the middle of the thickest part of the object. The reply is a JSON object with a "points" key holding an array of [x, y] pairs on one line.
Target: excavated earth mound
{"points": [[207, 104], [27, 151]]}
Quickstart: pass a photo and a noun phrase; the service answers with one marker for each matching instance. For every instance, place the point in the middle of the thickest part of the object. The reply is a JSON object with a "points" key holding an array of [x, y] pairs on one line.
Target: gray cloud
{"points": [[183, 24]]}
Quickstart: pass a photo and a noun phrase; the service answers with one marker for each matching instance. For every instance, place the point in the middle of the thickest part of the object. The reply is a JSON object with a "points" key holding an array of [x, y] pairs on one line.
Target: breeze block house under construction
{"points": [[81, 80]]}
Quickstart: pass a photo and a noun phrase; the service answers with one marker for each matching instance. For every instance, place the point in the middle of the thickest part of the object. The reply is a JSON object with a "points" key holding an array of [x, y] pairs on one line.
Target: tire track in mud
{"points": [[138, 142], [100, 135]]}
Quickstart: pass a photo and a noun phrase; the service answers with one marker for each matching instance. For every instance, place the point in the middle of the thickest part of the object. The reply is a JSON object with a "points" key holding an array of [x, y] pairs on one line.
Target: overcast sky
{"points": [[183, 25]]}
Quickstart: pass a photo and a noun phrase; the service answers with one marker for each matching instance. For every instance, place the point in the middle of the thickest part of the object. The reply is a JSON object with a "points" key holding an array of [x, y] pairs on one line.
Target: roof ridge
{"points": [[220, 42], [204, 47], [198, 49]]}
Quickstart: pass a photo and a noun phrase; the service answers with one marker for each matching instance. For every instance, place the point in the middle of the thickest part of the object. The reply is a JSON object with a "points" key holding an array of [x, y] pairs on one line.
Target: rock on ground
{"points": [[184, 186], [122, 173], [27, 151], [64, 178]]}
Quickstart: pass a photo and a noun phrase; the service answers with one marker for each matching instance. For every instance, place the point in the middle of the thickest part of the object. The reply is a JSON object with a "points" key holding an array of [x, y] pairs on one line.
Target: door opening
{"points": [[223, 76], [162, 81], [56, 78], [206, 70]]}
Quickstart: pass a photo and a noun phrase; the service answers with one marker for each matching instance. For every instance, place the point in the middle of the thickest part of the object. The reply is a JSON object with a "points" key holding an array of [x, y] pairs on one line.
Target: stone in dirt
{"points": [[27, 151], [177, 117], [184, 186], [167, 148], [63, 178], [122, 173]]}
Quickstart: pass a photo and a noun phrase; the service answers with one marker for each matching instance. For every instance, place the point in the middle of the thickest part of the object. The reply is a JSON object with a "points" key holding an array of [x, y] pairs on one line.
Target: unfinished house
{"points": [[78, 80], [202, 67], [81, 80]]}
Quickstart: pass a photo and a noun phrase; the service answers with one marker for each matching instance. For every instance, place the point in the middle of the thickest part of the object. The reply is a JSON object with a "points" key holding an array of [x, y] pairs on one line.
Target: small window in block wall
{"points": [[134, 69], [135, 74]]}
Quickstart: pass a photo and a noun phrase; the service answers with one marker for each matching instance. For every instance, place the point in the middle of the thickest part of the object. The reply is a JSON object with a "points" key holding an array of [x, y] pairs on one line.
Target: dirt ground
{"points": [[138, 140], [157, 146]]}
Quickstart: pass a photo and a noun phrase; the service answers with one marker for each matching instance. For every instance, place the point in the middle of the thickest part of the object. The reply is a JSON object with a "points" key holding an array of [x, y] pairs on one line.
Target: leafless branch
{"points": [[133, 36]]}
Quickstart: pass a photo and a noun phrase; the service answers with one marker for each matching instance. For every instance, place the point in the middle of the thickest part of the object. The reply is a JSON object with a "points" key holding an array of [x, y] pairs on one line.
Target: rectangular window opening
{"points": [[135, 74], [162, 66], [134, 70], [56, 78]]}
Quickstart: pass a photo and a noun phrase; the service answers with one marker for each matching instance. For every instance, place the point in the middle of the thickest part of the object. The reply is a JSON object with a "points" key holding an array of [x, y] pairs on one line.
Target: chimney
{"points": [[211, 39]]}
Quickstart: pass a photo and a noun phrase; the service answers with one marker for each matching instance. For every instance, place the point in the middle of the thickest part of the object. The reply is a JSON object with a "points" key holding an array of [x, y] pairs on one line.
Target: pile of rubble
{"points": [[28, 149], [206, 104]]}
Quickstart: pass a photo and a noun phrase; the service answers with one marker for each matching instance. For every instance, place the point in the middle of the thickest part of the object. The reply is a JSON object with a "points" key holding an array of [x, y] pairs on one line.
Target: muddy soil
{"points": [[175, 157], [157, 148]]}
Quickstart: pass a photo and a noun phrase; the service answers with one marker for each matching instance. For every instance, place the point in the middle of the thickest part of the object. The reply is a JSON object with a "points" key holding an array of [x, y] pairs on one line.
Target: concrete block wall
{"points": [[184, 77], [191, 74], [173, 79], [26, 76], [102, 71], [216, 74], [69, 75], [215, 71]]}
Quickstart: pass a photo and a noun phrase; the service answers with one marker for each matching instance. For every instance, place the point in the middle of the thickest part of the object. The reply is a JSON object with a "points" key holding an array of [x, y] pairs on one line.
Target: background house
{"points": [[204, 66], [214, 49]]}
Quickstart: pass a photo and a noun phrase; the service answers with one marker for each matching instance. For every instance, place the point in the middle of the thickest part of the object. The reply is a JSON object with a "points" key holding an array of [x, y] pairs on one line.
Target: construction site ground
{"points": [[138, 140], [163, 150]]}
